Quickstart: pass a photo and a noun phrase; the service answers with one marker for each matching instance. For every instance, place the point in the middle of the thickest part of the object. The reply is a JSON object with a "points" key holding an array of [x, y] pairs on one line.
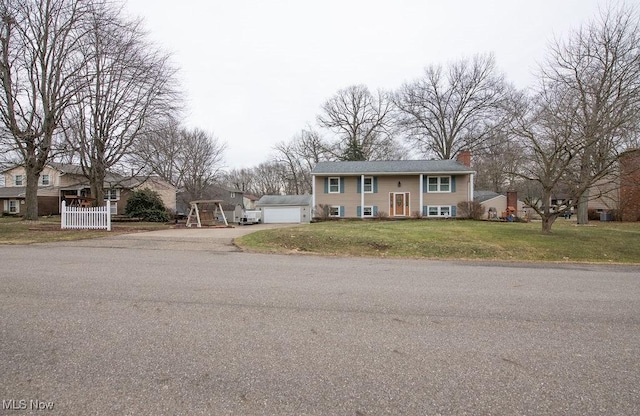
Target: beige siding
{"points": [[350, 199]]}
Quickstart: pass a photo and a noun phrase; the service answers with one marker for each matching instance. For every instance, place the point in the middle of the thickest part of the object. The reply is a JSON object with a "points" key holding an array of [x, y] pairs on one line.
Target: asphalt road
{"points": [[115, 330]]}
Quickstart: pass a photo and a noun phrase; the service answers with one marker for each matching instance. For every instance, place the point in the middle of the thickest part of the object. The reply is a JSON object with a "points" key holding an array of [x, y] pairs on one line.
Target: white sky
{"points": [[255, 73]]}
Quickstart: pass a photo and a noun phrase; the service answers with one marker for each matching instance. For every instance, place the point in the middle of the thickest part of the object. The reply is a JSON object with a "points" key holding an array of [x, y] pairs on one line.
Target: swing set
{"points": [[207, 212]]}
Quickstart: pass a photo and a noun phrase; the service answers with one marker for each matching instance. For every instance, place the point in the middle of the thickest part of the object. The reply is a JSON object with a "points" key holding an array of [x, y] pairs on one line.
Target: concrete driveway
{"points": [[180, 239]]}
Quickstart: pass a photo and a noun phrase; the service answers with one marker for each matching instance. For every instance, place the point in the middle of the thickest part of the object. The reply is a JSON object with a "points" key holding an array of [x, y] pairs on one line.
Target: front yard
{"points": [[600, 242], [15, 231]]}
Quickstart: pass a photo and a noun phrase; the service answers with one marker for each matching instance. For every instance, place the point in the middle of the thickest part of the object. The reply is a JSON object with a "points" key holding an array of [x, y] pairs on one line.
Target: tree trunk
{"points": [[31, 194], [547, 222], [583, 208], [96, 182]]}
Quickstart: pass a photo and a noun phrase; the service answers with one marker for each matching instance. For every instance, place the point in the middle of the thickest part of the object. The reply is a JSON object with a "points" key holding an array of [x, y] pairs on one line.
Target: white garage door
{"points": [[281, 214]]}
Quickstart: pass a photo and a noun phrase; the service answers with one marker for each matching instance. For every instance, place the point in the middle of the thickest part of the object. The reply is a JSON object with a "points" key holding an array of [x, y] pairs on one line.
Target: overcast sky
{"points": [[255, 73]]}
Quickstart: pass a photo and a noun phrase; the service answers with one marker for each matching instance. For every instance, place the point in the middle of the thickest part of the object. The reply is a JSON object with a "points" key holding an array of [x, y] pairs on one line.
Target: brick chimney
{"points": [[464, 157], [512, 201], [630, 185]]}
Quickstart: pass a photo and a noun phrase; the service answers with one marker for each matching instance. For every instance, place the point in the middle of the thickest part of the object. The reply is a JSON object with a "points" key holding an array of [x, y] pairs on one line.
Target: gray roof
{"points": [[296, 200], [12, 191], [482, 196], [390, 167]]}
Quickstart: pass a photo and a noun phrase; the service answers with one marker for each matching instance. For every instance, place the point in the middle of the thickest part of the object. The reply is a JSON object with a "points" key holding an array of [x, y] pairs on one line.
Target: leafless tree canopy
{"points": [[363, 125], [596, 75], [126, 85], [40, 59], [454, 108], [190, 159]]}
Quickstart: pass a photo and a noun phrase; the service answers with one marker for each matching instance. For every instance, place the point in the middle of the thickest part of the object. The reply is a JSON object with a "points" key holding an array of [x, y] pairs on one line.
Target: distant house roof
{"points": [[383, 167], [482, 196], [284, 200]]}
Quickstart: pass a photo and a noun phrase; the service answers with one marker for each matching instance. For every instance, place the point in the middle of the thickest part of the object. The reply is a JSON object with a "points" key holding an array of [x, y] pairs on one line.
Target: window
{"points": [[44, 180], [17, 180], [334, 185], [438, 211], [111, 194], [233, 194], [367, 212], [334, 211], [13, 206], [439, 183], [368, 185]]}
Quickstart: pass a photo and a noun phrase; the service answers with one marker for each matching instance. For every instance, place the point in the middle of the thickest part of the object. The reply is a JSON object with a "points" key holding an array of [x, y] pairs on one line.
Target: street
{"points": [[111, 330]]}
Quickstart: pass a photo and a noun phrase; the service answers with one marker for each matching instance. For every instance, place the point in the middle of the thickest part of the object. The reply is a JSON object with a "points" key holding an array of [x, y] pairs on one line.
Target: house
{"points": [[498, 205], [397, 188], [285, 208], [60, 181]]}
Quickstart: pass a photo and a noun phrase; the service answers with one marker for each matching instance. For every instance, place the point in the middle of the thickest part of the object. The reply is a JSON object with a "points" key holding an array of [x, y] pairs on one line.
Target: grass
{"points": [[477, 240], [17, 231]]}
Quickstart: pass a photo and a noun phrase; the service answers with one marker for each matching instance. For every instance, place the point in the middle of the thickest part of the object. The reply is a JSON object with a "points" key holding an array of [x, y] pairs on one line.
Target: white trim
{"points": [[329, 191], [336, 207], [362, 195], [362, 208], [421, 191], [440, 211], [313, 195], [439, 185], [406, 199]]}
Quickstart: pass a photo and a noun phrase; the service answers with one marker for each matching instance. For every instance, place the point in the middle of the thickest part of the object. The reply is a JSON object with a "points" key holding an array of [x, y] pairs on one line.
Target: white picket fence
{"points": [[93, 218]]}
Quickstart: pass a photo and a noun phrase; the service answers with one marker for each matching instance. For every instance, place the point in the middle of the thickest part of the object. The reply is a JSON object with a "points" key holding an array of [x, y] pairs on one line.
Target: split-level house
{"points": [[397, 188], [59, 182]]}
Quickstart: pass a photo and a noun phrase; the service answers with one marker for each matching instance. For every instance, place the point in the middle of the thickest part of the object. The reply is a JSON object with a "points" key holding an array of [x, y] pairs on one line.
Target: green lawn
{"points": [[17, 231], [450, 239]]}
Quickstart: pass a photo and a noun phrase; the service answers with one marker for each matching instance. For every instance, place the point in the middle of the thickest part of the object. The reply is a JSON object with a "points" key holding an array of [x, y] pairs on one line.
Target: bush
{"points": [[470, 209], [147, 205]]}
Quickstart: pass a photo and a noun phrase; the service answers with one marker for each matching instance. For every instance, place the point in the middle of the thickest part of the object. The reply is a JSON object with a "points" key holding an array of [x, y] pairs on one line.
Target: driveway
{"points": [[181, 239]]}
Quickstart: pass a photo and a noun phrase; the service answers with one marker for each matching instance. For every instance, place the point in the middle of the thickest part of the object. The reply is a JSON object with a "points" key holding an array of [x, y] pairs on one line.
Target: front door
{"points": [[399, 204]]}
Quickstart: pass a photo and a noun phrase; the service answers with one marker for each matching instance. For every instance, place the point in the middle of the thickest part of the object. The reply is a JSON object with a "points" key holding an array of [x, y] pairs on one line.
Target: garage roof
{"points": [[284, 200]]}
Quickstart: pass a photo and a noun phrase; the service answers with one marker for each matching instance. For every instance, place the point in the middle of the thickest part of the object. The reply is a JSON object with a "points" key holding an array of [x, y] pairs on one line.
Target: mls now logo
{"points": [[26, 405]]}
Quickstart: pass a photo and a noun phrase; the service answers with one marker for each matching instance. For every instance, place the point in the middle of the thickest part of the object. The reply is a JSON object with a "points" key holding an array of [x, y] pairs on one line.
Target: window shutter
{"points": [[342, 210], [425, 185], [375, 185], [341, 184], [453, 184], [424, 210], [359, 185], [359, 211], [453, 210], [375, 210], [326, 185]]}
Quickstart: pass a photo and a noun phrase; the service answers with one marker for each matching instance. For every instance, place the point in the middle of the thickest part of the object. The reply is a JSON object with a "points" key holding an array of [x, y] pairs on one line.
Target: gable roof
{"points": [[389, 167], [284, 200], [482, 196], [12, 191]]}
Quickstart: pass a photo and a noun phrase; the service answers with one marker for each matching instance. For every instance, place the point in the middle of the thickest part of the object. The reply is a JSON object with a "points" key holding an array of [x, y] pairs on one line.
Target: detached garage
{"points": [[292, 209]]}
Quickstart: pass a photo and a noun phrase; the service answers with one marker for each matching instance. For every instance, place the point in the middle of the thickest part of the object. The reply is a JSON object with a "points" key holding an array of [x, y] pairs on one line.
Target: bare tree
{"points": [[40, 60], [495, 162], [298, 157], [190, 159], [449, 110], [598, 68], [363, 124], [268, 179], [241, 179], [128, 84]]}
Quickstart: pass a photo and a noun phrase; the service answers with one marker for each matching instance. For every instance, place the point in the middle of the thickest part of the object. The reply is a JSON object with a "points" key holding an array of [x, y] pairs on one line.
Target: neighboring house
{"points": [[58, 181], [285, 208], [621, 190], [495, 204], [232, 201], [398, 188], [249, 201]]}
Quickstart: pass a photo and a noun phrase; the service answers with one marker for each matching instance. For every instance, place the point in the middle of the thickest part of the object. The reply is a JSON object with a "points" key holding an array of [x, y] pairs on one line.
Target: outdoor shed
{"points": [[285, 208]]}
